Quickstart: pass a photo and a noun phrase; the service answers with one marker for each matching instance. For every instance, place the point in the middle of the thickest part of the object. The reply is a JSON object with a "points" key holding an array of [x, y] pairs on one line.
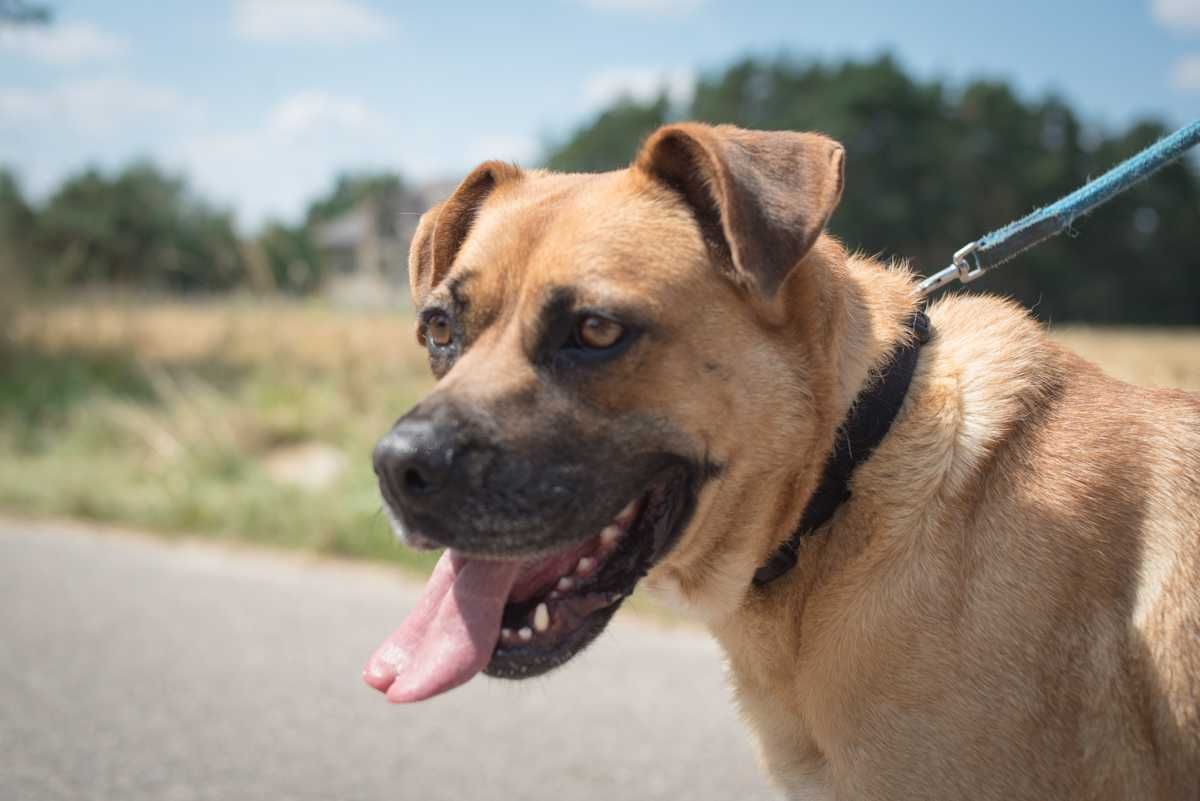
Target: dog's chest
{"points": [[807, 788], [788, 754]]}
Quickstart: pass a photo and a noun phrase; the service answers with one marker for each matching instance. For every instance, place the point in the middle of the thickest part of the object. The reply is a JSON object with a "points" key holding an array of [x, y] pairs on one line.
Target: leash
{"points": [[993, 249]]}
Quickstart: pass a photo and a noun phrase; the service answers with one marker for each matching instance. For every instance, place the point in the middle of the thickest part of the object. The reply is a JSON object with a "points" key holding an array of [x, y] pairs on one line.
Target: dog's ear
{"points": [[443, 229], [761, 197]]}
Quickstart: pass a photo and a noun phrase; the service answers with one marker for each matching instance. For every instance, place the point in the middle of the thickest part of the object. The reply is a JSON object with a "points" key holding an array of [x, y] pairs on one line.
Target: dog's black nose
{"points": [[414, 459]]}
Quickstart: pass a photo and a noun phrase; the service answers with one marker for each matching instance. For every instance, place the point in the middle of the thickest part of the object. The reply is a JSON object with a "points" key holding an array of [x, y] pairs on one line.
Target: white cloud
{"points": [[90, 105], [1185, 73], [505, 147], [307, 112], [639, 83], [62, 44], [274, 169], [650, 8], [1179, 15], [322, 21]]}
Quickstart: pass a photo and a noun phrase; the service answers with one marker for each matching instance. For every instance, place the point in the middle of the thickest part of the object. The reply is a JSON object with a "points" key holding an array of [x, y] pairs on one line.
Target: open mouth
{"points": [[516, 618]]}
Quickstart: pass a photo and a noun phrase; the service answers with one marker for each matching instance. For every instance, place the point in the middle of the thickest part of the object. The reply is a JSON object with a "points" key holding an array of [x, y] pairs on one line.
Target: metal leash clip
{"points": [[959, 269], [967, 274]]}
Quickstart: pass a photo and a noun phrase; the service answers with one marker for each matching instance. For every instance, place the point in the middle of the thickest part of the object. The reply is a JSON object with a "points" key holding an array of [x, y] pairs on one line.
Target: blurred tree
{"points": [[291, 257], [16, 221], [929, 168], [140, 228], [607, 142], [349, 189], [16, 218], [19, 12], [16, 236]]}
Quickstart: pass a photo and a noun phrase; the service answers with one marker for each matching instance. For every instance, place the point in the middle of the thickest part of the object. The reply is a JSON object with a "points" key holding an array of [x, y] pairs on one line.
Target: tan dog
{"points": [[644, 372]]}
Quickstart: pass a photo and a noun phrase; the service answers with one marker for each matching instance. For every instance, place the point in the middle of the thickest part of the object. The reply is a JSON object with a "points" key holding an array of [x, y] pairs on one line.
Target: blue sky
{"points": [[259, 102]]}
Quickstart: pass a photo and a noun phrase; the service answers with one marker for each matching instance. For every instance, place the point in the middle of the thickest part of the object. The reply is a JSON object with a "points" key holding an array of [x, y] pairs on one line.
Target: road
{"points": [[133, 668]]}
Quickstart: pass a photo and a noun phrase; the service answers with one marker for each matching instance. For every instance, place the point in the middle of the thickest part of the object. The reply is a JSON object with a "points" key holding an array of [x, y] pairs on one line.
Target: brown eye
{"points": [[437, 330], [599, 333]]}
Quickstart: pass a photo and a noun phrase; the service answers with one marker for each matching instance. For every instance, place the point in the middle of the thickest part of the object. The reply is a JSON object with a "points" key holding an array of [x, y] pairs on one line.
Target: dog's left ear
{"points": [[761, 197], [443, 229]]}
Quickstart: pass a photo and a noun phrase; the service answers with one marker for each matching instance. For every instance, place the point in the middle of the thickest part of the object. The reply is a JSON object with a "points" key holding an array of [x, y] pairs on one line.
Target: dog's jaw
{"points": [[523, 615], [405, 535]]}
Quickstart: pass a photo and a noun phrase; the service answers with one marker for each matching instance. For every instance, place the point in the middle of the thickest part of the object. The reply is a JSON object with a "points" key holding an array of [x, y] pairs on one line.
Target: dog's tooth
{"points": [[525, 633], [610, 534], [585, 565], [541, 617], [564, 584], [625, 516], [506, 634]]}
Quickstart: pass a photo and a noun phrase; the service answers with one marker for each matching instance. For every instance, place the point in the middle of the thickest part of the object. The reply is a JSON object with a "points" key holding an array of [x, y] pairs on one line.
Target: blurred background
{"points": [[205, 211], [205, 208]]}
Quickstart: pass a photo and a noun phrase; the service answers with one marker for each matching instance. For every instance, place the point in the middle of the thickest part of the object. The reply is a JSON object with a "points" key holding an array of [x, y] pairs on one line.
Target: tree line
{"points": [[930, 166], [141, 227]]}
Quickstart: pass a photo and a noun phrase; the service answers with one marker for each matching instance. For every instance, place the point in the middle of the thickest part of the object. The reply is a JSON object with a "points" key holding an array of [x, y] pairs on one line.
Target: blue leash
{"points": [[992, 250]]}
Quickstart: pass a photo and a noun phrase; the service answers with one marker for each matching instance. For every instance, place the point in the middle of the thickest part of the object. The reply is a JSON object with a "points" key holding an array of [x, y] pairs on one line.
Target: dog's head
{"points": [[619, 388]]}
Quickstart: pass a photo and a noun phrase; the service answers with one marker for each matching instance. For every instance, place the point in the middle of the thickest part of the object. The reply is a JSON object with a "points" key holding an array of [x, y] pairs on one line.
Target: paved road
{"points": [[136, 669]]}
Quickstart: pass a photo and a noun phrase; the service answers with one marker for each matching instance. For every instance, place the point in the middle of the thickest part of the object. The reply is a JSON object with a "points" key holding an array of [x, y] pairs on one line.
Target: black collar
{"points": [[870, 418]]}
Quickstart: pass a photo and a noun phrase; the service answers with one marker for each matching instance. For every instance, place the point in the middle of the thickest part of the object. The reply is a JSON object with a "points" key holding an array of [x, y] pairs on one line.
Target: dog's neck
{"points": [[876, 302], [841, 317], [859, 304], [857, 310], [870, 314], [870, 419]]}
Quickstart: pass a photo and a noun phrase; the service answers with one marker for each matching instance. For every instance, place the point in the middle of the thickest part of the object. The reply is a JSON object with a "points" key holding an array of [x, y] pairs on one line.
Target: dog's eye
{"points": [[599, 333], [438, 330]]}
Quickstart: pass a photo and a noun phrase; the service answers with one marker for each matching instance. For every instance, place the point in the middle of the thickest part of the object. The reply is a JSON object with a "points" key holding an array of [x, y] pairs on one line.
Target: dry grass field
{"points": [[247, 419], [254, 420]]}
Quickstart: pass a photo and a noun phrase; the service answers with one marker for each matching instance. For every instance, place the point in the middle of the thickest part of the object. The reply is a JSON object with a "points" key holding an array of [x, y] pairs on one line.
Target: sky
{"points": [[260, 102]]}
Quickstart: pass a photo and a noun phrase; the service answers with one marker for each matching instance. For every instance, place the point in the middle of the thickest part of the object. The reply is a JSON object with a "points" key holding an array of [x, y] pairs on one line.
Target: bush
{"points": [[138, 228]]}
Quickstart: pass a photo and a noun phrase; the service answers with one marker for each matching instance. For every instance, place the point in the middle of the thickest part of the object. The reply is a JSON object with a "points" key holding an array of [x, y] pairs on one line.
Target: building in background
{"points": [[364, 250]]}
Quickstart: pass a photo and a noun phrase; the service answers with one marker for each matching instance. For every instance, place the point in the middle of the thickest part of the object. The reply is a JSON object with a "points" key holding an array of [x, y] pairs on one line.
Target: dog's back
{"points": [[1092, 505]]}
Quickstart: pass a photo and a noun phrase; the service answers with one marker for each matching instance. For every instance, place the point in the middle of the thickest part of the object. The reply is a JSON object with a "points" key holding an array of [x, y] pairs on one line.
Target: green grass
{"points": [[180, 444]]}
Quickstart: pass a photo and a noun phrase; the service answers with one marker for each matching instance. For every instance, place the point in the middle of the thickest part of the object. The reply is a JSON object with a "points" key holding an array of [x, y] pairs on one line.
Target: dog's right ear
{"points": [[761, 198], [443, 229]]}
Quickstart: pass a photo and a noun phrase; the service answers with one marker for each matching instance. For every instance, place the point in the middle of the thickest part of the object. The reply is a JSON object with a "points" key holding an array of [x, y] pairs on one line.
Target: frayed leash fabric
{"points": [[997, 247]]}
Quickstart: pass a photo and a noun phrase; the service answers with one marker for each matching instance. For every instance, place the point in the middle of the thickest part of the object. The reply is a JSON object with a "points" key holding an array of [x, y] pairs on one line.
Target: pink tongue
{"points": [[450, 635]]}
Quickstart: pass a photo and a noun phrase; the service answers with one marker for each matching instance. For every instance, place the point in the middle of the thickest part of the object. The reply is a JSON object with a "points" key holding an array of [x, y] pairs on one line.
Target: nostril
{"points": [[414, 481], [414, 459]]}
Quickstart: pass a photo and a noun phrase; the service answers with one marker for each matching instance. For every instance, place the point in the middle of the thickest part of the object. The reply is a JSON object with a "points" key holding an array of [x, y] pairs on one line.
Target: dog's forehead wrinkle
{"points": [[457, 281]]}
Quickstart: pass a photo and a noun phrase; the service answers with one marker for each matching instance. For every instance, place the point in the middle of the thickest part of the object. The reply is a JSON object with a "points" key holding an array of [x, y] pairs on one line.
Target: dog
{"points": [[945, 557]]}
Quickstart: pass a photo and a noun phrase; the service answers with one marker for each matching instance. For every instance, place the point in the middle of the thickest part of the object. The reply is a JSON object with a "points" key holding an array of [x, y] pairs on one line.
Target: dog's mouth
{"points": [[516, 618]]}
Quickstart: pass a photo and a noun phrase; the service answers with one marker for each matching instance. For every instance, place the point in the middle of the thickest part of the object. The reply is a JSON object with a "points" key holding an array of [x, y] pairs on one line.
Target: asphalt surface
{"points": [[132, 668]]}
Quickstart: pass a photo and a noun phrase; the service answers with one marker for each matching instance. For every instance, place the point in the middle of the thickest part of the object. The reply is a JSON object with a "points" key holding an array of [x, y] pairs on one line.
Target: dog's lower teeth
{"points": [[585, 565], [541, 618], [564, 584], [525, 633], [610, 534]]}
